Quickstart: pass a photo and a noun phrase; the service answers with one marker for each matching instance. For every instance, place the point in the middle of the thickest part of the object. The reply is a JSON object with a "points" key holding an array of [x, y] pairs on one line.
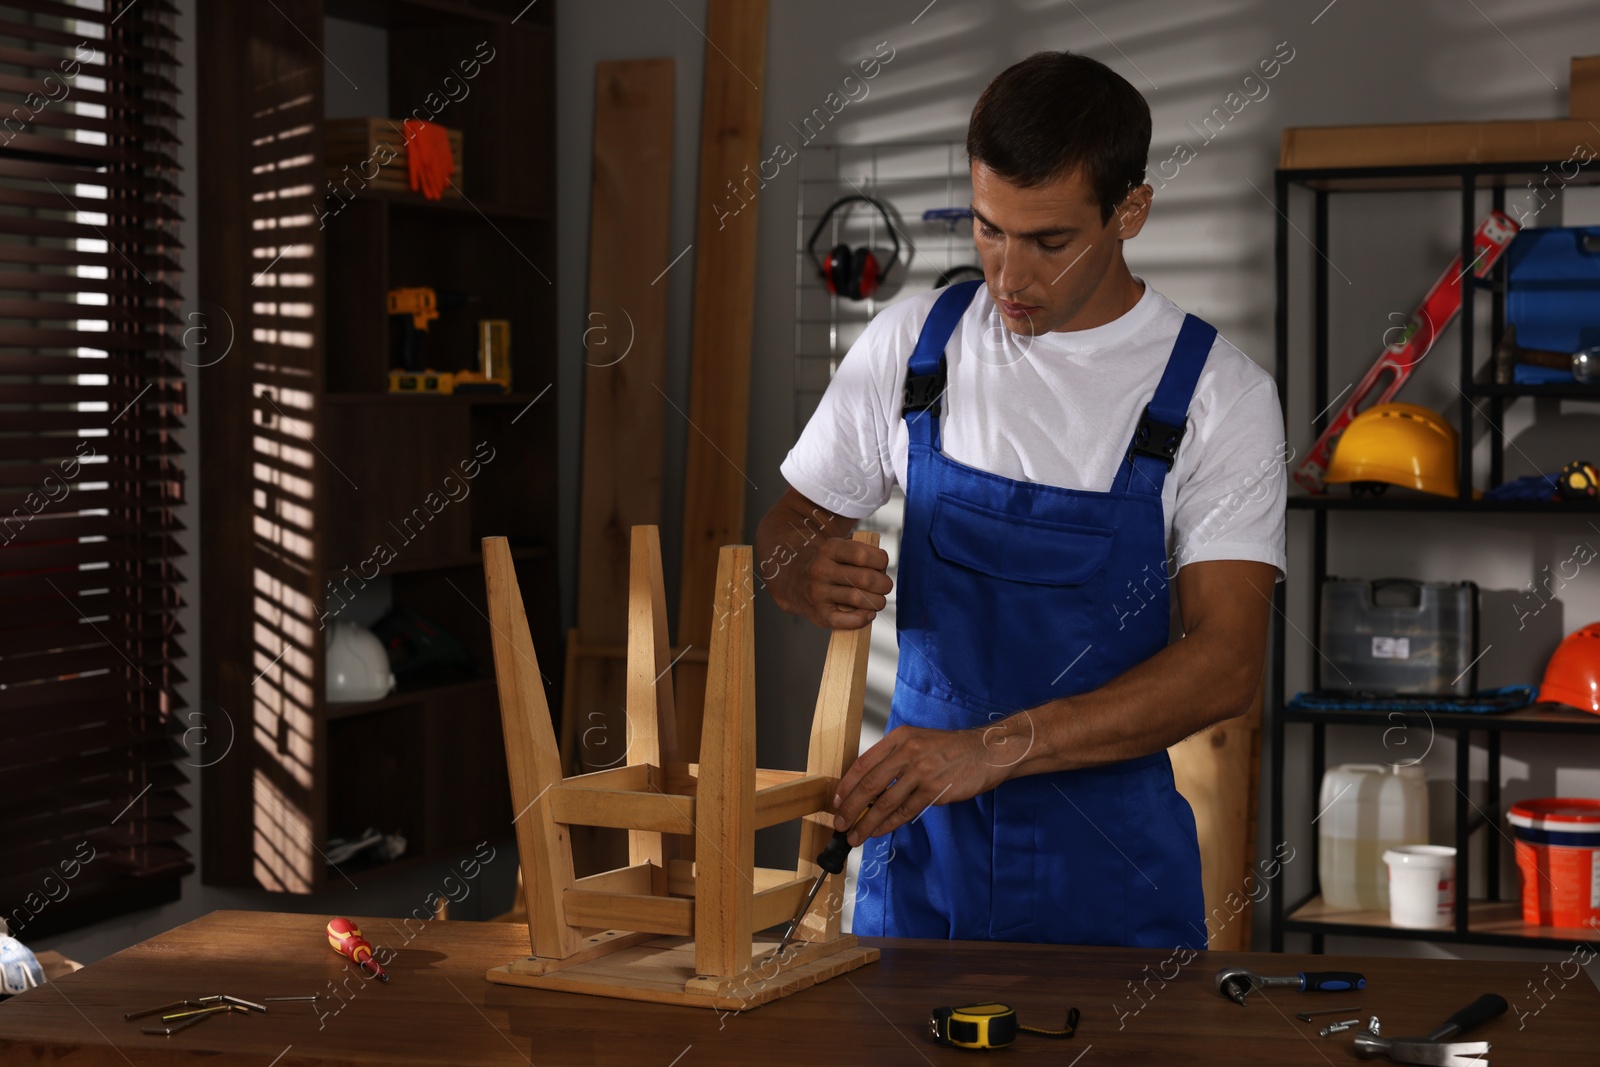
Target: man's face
{"points": [[1045, 251]]}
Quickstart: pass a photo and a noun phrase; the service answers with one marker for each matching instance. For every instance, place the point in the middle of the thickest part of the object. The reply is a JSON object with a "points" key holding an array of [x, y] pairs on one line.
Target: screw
{"points": [[1339, 1027], [1372, 1026]]}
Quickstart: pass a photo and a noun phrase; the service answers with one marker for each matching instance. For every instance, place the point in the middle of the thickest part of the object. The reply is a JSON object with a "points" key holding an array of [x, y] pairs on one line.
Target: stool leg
{"points": [[835, 741], [532, 759], [725, 838], [652, 724]]}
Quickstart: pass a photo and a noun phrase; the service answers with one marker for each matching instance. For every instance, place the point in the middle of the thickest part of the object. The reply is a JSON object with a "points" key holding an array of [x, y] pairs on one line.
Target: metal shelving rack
{"points": [[1483, 922]]}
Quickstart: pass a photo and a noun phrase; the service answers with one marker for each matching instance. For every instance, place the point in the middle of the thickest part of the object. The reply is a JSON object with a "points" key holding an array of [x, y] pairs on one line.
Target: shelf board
{"points": [[1428, 502], [406, 13], [405, 200], [1537, 718], [440, 563], [1435, 176], [469, 399], [364, 871], [404, 696], [1563, 390], [1488, 922]]}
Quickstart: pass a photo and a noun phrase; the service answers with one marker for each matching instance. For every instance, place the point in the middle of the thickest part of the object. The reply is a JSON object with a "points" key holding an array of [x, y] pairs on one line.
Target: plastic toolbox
{"points": [[1396, 635], [1553, 287]]}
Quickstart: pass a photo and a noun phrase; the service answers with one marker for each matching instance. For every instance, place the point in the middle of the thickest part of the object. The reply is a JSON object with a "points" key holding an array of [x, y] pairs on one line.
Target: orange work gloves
{"points": [[428, 157]]}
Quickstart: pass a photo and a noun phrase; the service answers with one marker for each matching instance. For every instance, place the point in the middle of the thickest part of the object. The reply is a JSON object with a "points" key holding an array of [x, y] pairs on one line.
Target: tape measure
{"points": [[992, 1025]]}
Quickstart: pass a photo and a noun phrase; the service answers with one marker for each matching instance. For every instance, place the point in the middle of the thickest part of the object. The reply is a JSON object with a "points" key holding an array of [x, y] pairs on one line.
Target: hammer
{"points": [[1235, 982], [1436, 1049]]}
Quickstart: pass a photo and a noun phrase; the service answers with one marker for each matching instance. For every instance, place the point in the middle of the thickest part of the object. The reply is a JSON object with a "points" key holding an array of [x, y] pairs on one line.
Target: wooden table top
{"points": [[1138, 1006]]}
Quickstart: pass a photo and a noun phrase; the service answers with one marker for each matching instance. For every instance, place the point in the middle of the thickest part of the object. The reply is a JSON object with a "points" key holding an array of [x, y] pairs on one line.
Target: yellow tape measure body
{"points": [[991, 1025]]}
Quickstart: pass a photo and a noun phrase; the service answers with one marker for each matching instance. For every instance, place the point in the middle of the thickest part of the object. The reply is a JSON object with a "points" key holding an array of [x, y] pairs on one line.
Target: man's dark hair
{"points": [[1056, 112]]}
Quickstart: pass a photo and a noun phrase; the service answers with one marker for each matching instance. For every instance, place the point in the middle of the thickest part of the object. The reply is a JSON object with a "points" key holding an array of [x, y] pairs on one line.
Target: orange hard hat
{"points": [[1572, 676]]}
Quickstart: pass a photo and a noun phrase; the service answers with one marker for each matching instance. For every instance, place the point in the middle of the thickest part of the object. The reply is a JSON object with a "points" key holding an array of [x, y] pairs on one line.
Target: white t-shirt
{"points": [[1059, 409]]}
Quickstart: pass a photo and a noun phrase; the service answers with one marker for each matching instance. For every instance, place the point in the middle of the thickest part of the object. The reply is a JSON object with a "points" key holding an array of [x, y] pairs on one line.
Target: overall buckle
{"points": [[1157, 439], [923, 391]]}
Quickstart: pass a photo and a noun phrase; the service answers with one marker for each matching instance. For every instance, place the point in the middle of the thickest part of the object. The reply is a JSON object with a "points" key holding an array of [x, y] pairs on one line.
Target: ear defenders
{"points": [[854, 274]]}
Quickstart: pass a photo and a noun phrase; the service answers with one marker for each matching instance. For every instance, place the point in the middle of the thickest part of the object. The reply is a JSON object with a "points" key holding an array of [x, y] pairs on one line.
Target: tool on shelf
{"points": [[991, 1025], [831, 859], [950, 216], [1401, 356], [412, 308], [345, 938], [1235, 982], [1436, 1049]]}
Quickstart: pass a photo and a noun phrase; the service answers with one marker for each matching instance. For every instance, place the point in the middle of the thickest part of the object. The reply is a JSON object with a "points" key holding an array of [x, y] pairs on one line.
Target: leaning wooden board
{"points": [[624, 342], [625, 333], [1216, 770], [438, 1008], [724, 312]]}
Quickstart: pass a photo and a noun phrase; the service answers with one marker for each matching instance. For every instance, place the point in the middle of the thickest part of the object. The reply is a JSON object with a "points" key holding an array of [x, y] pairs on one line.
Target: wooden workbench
{"points": [[438, 1009]]}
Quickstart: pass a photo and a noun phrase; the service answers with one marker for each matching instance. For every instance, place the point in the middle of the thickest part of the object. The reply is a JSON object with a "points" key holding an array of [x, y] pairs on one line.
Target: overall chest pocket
{"points": [[1012, 549], [1013, 603]]}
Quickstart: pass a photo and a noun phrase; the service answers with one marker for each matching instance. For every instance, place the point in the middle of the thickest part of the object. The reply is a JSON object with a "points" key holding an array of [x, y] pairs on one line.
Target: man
{"points": [[1070, 445]]}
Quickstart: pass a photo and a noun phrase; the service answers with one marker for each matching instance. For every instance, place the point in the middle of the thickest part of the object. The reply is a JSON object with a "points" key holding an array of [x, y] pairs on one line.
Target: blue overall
{"points": [[1012, 594]]}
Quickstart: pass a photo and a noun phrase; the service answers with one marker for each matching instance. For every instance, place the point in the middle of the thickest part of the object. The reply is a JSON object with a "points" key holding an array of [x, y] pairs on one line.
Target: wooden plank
{"points": [[1216, 770], [634, 778], [532, 760], [630, 221], [601, 944], [661, 812], [725, 837], [638, 878], [1583, 92], [630, 214], [629, 911], [724, 309], [664, 973], [767, 965], [680, 878], [835, 743], [794, 798], [777, 904], [652, 727], [1442, 143]]}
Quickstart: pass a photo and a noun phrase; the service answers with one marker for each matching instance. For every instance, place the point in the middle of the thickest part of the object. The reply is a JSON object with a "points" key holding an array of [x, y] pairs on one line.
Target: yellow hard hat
{"points": [[1401, 444]]}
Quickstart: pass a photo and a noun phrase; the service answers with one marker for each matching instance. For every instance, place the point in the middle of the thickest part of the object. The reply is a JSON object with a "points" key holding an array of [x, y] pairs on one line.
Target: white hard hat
{"points": [[357, 665]]}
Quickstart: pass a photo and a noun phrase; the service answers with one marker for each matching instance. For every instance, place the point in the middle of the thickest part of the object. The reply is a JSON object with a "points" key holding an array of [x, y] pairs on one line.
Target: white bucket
{"points": [[1422, 886]]}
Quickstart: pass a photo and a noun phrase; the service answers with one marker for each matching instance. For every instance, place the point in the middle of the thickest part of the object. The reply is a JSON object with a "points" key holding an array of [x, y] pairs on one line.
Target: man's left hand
{"points": [[913, 768]]}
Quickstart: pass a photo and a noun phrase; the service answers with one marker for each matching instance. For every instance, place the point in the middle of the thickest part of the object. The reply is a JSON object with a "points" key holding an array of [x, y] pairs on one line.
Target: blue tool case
{"points": [[1553, 287]]}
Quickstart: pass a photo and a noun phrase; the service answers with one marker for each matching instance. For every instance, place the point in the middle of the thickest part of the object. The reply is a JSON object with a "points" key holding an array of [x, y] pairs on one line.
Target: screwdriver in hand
{"points": [[831, 859]]}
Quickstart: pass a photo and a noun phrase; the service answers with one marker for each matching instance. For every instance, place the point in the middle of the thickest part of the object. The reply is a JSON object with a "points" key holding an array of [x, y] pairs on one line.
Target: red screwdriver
{"points": [[345, 938]]}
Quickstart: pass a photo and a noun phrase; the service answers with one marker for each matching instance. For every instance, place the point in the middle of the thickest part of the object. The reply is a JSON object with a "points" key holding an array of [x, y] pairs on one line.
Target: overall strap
{"points": [[925, 372], [1160, 430]]}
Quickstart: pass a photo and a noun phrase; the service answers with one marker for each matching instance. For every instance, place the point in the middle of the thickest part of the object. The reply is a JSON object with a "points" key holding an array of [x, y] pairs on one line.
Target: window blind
{"points": [[91, 399]]}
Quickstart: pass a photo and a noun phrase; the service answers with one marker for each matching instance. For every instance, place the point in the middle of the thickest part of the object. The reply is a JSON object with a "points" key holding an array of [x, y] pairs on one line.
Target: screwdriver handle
{"points": [[1331, 981], [1478, 1012], [833, 856]]}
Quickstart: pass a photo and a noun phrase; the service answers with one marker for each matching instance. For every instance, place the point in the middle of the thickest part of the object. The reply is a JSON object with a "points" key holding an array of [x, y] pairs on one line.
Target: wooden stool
{"points": [[666, 929]]}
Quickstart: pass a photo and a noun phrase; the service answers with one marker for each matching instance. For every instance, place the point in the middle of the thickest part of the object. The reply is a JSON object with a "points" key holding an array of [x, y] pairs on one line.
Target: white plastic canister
{"points": [[1366, 809]]}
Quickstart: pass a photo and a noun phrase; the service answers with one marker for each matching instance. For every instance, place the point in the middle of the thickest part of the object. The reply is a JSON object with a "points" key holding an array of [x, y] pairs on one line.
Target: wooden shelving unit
{"points": [[317, 482], [1491, 921]]}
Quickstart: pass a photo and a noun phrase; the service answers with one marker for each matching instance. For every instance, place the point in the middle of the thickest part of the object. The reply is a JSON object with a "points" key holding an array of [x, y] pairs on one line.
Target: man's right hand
{"points": [[815, 570]]}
